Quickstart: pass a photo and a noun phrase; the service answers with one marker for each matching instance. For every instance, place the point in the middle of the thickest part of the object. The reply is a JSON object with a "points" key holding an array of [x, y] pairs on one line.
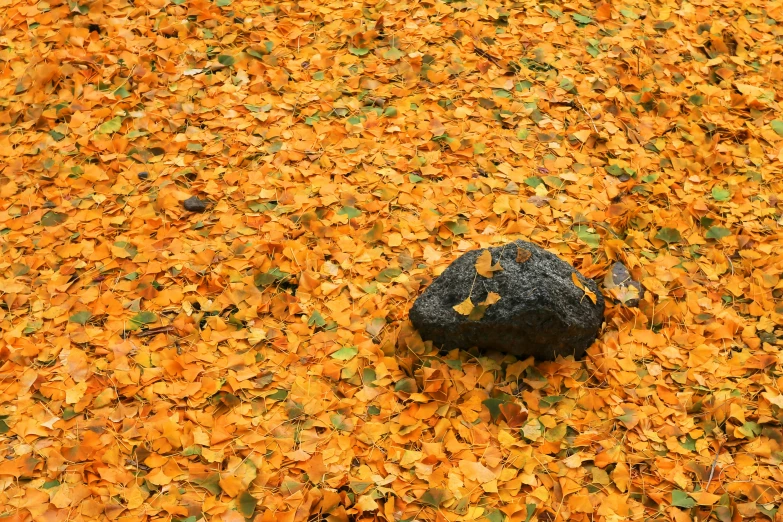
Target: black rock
{"points": [[541, 312], [622, 286], [194, 204], [143, 174]]}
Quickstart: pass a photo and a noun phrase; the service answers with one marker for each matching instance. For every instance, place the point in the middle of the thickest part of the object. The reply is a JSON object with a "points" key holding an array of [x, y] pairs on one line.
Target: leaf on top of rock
{"points": [[589, 293], [523, 254], [484, 265]]}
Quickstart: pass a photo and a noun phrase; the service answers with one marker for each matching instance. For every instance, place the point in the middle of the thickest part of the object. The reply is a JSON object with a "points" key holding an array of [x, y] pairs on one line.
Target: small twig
{"points": [[156, 331], [590, 118], [731, 265], [712, 469]]}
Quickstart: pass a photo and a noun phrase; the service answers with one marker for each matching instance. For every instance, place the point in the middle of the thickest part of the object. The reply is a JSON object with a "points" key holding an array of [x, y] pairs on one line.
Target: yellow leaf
{"points": [[492, 298], [366, 503], [476, 472], [465, 307], [484, 265], [590, 294]]}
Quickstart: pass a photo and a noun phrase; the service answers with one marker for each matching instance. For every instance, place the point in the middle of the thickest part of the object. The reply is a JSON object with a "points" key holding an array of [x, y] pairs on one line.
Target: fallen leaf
{"points": [[465, 307], [523, 254], [484, 265], [589, 293]]}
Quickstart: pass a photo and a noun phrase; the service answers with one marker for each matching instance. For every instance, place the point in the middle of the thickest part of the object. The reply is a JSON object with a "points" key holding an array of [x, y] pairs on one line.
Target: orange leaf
{"points": [[589, 293]]}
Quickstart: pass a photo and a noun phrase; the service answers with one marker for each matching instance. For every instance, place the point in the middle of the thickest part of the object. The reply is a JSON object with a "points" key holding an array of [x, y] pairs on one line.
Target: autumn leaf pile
{"points": [[255, 361]]}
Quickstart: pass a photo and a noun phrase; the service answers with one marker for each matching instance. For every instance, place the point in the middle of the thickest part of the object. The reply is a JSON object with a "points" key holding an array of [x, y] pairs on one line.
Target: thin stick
{"points": [[589, 118], [712, 469]]}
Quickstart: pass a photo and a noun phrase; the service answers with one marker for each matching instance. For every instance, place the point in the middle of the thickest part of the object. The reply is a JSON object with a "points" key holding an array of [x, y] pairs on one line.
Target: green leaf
{"points": [[339, 422], [223, 3], [556, 434], [614, 170], [373, 410], [390, 112], [581, 19], [346, 353], [267, 278], [777, 126], [387, 275], [69, 413], [682, 499], [122, 92], [457, 227], [80, 317], [663, 26], [720, 194], [351, 212], [414, 178], [57, 136], [567, 84], [316, 319], [226, 60], [144, 318], [52, 219], [669, 235], [247, 504], [434, 497], [493, 405], [718, 233], [406, 385], [194, 147], [113, 125], [211, 483], [549, 401], [32, 327], [279, 395], [393, 54], [49, 484], [531, 510], [4, 428], [592, 239], [358, 51]]}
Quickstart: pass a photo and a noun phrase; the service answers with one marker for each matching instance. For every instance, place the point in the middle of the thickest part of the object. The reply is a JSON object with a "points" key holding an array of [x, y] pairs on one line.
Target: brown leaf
{"points": [[523, 254]]}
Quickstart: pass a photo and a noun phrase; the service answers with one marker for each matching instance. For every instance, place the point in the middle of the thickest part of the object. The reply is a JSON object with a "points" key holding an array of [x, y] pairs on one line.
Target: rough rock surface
{"points": [[541, 312], [194, 204], [622, 286]]}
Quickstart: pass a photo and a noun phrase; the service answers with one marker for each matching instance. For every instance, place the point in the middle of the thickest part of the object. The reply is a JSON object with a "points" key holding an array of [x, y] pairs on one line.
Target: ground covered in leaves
{"points": [[254, 361]]}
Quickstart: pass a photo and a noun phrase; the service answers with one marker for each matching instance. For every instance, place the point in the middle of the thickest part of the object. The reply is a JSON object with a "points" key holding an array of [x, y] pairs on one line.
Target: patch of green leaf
{"points": [[111, 126], [718, 233], [52, 218], [345, 353], [720, 194], [145, 317], [669, 235], [682, 500], [80, 317]]}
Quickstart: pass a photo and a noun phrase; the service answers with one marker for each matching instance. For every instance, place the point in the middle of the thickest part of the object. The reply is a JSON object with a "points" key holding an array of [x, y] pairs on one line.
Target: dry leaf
{"points": [[465, 307], [152, 347], [589, 293], [484, 265], [523, 254]]}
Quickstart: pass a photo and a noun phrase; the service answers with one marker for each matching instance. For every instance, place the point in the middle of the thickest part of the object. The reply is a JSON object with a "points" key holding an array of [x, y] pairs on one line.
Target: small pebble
{"points": [[194, 204], [143, 174]]}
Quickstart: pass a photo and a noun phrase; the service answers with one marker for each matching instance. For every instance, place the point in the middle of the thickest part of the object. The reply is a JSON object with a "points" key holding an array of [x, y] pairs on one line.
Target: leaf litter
{"points": [[254, 362]]}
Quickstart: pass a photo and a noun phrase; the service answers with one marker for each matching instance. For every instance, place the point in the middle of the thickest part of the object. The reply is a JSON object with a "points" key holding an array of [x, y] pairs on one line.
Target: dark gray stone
{"points": [[540, 313], [619, 283], [194, 204]]}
